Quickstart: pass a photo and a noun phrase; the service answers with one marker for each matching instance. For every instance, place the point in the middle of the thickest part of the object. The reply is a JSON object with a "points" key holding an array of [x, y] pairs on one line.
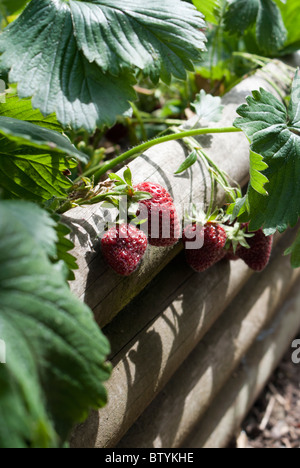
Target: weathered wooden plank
{"points": [[224, 418], [192, 389], [104, 291], [153, 336]]}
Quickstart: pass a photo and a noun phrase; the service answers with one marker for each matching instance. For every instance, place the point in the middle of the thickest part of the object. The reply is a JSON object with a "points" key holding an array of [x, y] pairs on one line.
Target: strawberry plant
{"points": [[72, 70], [273, 131], [238, 27], [82, 61], [84, 55], [270, 31], [55, 352]]}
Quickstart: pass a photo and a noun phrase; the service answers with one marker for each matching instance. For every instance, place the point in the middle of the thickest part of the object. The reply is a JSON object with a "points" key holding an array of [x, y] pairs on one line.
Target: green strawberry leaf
{"points": [[210, 10], [241, 15], [294, 252], [257, 179], [290, 12], [12, 6], [33, 153], [22, 109], [77, 58], [161, 37], [237, 209], [138, 196], [271, 33], [55, 351], [116, 178], [36, 222], [218, 62], [63, 247], [32, 174], [47, 232], [122, 188], [26, 133], [274, 133], [128, 176], [65, 82], [208, 107], [190, 161]]}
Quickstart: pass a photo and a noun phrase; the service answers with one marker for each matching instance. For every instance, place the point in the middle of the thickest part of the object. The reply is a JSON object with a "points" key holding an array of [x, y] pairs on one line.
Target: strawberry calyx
{"points": [[237, 235], [199, 217], [125, 187]]}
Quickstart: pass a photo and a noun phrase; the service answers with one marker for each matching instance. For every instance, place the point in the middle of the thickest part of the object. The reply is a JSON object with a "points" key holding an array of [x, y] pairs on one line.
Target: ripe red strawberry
{"points": [[157, 192], [258, 256], [230, 255], [212, 250], [123, 247], [163, 225]]}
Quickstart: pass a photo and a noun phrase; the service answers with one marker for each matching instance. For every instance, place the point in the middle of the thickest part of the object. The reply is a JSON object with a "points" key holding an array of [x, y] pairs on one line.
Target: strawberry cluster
{"points": [[218, 243], [124, 246], [205, 243]]}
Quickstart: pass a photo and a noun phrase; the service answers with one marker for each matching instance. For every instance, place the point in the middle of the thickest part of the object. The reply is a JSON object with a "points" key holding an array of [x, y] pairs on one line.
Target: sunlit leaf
{"points": [[77, 59], [55, 351], [208, 107], [274, 133], [271, 33], [190, 161]]}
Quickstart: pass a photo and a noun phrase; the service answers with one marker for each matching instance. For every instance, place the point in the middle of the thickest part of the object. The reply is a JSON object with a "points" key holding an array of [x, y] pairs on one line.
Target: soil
{"points": [[274, 421]]}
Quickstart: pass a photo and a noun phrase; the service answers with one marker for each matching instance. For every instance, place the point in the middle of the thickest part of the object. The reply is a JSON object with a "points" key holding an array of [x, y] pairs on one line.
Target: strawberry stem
{"points": [[216, 174], [98, 172], [212, 195], [158, 121], [193, 145]]}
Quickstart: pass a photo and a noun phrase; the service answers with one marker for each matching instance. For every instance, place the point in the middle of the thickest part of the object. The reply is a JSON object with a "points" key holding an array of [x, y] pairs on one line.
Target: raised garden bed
{"points": [[124, 329], [177, 345]]}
